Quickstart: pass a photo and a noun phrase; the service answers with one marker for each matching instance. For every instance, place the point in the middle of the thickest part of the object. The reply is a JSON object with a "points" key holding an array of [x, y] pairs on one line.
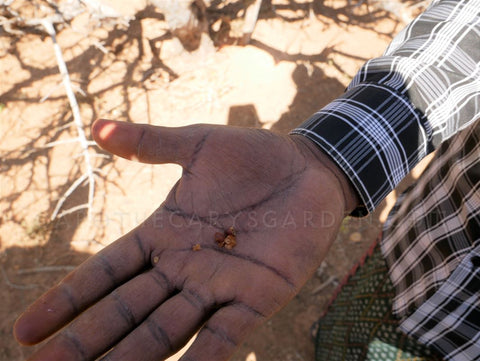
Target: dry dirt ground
{"points": [[301, 56]]}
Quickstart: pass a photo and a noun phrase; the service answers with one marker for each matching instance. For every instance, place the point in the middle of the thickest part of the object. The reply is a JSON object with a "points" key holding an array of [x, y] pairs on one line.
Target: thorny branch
{"points": [[82, 139], [14, 23], [53, 14]]}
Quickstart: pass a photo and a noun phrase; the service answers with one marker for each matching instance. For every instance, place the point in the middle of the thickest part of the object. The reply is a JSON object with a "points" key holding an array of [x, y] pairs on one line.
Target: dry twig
{"points": [[14, 285], [53, 14], [330, 280], [13, 23], [27, 271], [82, 139]]}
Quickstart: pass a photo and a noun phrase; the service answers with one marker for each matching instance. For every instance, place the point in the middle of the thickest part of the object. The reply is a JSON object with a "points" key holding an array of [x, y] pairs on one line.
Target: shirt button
{"points": [[475, 261]]}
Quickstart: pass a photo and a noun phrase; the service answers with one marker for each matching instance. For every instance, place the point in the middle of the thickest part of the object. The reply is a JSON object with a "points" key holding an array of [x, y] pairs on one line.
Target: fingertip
{"points": [[24, 332], [102, 129], [118, 138], [40, 320]]}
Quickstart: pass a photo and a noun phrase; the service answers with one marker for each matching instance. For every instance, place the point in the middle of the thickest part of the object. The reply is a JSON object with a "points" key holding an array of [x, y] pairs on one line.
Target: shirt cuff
{"points": [[374, 134]]}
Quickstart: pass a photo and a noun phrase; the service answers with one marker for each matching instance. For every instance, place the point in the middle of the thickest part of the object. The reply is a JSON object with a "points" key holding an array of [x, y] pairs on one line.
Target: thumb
{"points": [[148, 143]]}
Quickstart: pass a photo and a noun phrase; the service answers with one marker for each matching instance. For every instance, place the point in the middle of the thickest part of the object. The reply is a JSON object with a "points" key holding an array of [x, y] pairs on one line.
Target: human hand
{"points": [[144, 296]]}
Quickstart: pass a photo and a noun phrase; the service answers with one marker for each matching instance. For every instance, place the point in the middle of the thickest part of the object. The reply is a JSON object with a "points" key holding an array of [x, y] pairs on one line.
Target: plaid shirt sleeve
{"points": [[403, 105], [431, 244]]}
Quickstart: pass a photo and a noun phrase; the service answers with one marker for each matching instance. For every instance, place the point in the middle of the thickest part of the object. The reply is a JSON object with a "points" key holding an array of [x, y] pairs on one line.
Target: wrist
{"points": [[318, 158]]}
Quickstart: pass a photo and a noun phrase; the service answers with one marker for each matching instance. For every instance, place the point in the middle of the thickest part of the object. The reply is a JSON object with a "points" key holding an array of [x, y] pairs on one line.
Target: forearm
{"points": [[401, 106]]}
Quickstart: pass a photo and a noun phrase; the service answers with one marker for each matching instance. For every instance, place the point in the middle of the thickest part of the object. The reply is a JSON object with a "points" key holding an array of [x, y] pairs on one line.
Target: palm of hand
{"points": [[156, 286]]}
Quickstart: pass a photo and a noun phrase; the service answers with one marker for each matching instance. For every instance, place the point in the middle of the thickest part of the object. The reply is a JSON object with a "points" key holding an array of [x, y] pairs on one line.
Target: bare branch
{"points": [[69, 191], [27, 271], [76, 118], [14, 285], [330, 280], [13, 23], [72, 210]]}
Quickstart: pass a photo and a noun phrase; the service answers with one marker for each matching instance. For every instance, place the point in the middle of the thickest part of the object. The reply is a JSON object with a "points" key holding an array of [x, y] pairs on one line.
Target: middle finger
{"points": [[167, 329]]}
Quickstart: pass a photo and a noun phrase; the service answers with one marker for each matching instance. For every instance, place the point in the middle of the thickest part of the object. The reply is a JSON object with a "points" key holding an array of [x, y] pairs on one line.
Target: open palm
{"points": [[144, 296]]}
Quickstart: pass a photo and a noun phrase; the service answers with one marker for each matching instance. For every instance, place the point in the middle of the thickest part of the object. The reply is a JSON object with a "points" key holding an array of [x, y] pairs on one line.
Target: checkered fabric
{"points": [[403, 105], [422, 95], [432, 248]]}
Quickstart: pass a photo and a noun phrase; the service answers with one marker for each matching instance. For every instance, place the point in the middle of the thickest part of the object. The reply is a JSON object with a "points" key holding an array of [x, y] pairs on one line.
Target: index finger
{"points": [[91, 281]]}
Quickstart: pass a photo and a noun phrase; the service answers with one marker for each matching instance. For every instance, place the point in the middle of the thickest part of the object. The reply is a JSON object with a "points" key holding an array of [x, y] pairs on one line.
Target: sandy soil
{"points": [[302, 55]]}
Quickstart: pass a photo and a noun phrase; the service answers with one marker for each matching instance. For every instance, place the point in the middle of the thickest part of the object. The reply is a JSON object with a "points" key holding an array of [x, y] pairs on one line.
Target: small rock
{"points": [[355, 237]]}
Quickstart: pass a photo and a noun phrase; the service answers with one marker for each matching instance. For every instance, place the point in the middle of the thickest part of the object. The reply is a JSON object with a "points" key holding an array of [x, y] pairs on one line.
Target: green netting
{"points": [[359, 324]]}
